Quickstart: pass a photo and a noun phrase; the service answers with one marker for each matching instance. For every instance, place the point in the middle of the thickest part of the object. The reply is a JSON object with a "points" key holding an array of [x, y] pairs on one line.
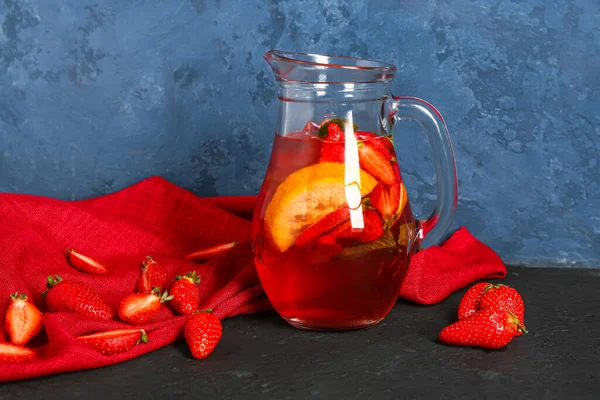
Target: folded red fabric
{"points": [[155, 217]]}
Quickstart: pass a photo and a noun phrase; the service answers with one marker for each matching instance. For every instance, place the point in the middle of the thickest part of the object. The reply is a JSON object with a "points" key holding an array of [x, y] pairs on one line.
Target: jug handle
{"points": [[433, 229]]}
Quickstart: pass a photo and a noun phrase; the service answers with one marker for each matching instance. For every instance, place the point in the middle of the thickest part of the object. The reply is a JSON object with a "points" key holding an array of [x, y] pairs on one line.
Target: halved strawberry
{"points": [[322, 226], [114, 341], [210, 252], [386, 199], [375, 163], [373, 227], [14, 353], [142, 308], [23, 319], [85, 263], [333, 147], [153, 275]]}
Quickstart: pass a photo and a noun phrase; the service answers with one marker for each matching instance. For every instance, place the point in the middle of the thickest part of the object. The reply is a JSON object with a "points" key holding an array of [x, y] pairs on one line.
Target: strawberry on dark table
{"points": [[489, 329], [202, 333], [505, 298], [469, 303]]}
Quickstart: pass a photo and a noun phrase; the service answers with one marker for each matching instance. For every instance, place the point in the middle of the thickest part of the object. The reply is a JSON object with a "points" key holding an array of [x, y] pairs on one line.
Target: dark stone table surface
{"points": [[260, 356]]}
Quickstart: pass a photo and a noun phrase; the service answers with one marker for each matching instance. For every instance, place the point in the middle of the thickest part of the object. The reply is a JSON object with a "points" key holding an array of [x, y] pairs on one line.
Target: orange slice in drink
{"points": [[308, 195]]}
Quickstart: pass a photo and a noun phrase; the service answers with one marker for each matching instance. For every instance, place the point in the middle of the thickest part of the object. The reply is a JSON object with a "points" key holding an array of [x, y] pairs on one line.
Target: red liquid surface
{"points": [[315, 286]]}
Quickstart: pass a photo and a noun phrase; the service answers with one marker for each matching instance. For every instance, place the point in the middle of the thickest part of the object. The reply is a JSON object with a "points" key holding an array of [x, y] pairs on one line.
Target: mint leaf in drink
{"points": [[385, 242]]}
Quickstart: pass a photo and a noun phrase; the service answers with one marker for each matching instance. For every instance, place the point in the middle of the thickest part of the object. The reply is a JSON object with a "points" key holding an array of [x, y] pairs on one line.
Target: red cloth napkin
{"points": [[155, 217]]}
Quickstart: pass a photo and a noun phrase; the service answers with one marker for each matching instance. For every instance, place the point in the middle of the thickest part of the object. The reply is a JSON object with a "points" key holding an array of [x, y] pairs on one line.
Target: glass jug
{"points": [[333, 229]]}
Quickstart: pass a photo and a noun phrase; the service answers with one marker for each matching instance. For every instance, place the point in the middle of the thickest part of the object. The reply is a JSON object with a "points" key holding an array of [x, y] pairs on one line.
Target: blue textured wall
{"points": [[96, 95]]}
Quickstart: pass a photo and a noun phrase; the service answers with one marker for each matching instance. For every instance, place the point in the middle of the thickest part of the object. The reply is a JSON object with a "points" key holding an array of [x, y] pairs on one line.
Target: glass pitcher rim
{"points": [[344, 61]]}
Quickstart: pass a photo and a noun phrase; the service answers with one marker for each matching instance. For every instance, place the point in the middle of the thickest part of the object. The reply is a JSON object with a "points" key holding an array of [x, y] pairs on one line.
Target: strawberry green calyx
{"points": [[206, 310], [143, 338], [515, 320], [52, 281], [18, 296], [165, 297], [492, 286], [190, 276], [148, 261]]}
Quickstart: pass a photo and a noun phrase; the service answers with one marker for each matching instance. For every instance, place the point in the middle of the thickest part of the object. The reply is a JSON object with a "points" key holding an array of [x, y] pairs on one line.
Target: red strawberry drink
{"points": [[334, 227]]}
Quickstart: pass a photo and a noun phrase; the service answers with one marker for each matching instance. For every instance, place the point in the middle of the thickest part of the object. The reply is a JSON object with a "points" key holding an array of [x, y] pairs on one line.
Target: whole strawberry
{"points": [[202, 333], [490, 329], [115, 341], [505, 298], [186, 296], [470, 301], [142, 308], [333, 147], [153, 275], [77, 297], [23, 319]]}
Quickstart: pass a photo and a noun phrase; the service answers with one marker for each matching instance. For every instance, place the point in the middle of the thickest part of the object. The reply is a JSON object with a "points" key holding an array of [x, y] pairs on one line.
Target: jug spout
{"points": [[317, 68]]}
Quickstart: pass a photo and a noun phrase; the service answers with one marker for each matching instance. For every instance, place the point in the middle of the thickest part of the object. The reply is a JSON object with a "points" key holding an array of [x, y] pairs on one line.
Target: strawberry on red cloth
{"points": [[157, 218]]}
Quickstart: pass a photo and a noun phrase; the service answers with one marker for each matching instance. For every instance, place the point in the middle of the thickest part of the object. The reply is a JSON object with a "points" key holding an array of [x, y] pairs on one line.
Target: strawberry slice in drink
{"points": [[375, 163], [383, 144], [373, 229], [322, 226], [386, 199], [345, 231], [332, 149]]}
